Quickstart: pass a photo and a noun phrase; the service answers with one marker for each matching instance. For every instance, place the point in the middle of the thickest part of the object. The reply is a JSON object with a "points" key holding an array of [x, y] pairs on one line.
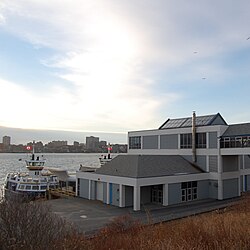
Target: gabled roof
{"points": [[145, 166], [206, 120], [238, 130]]}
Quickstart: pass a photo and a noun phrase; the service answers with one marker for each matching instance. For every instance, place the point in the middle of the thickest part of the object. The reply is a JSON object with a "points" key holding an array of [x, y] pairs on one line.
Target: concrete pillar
{"points": [[77, 179], [89, 189], [165, 194], [121, 195], [137, 198], [207, 140], [108, 193]]}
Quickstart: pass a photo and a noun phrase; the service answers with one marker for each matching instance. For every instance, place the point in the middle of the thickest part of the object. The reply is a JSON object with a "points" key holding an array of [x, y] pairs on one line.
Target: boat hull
{"points": [[22, 195]]}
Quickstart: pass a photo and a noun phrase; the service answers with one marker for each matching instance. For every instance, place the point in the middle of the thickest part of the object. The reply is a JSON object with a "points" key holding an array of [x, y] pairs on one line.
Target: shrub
{"points": [[29, 225]]}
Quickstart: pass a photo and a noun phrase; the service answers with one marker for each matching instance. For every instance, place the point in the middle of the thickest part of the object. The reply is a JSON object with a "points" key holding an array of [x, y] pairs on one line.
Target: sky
{"points": [[115, 66]]}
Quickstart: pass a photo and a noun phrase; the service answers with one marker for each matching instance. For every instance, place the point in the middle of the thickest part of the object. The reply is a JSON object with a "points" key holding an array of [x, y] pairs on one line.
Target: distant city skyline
{"points": [[116, 66], [23, 136]]}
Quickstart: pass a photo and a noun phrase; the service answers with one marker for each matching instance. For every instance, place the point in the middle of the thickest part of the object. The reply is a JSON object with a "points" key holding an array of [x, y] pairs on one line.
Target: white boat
{"points": [[106, 157], [33, 183]]}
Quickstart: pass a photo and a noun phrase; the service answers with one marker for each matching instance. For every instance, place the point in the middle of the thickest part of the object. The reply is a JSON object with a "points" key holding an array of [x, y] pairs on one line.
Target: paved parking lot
{"points": [[89, 216]]}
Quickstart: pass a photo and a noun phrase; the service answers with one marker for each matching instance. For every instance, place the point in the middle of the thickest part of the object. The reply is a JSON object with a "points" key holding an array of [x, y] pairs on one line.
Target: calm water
{"points": [[70, 162]]}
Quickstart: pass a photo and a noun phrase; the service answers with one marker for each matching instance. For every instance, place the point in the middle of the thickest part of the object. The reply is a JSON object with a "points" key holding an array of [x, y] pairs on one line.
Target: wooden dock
{"points": [[60, 193]]}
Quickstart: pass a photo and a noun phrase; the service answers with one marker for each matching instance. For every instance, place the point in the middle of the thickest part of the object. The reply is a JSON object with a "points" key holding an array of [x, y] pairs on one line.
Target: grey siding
{"points": [[241, 183], [115, 194], [202, 189], [84, 188], [129, 196], [247, 179], [169, 141], [230, 163], [201, 162], [174, 193], [145, 194], [218, 121], [247, 161], [150, 142], [241, 161], [213, 163], [230, 188], [212, 139], [213, 189]]}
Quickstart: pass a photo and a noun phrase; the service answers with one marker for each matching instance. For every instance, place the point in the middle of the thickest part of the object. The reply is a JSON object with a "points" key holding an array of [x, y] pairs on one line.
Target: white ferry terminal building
{"points": [[185, 159]]}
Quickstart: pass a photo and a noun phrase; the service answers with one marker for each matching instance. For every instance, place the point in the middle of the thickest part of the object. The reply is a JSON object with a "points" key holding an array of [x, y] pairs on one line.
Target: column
{"points": [[108, 193], [122, 195], [165, 194], [137, 198], [77, 180], [89, 189]]}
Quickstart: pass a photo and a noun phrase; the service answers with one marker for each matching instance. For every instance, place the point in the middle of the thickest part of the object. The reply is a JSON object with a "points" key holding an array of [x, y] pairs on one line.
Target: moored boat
{"points": [[106, 158], [31, 184]]}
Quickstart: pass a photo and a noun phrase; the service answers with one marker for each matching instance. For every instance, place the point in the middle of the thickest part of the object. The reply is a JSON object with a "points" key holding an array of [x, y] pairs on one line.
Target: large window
{"points": [[135, 142], [200, 140]]}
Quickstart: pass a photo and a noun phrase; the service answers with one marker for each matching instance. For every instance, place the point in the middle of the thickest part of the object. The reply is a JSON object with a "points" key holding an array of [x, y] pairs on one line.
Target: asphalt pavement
{"points": [[89, 216]]}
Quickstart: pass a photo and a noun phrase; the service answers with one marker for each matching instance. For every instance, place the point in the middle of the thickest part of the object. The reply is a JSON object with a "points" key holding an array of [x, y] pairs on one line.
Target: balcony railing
{"points": [[235, 142]]}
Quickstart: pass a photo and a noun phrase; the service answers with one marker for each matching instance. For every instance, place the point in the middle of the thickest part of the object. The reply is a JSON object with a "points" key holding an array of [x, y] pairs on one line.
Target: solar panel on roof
{"points": [[175, 123], [187, 122]]}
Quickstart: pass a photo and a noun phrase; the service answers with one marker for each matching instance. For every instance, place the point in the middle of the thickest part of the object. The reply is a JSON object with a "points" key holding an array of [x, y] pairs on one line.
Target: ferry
{"points": [[103, 159], [31, 184]]}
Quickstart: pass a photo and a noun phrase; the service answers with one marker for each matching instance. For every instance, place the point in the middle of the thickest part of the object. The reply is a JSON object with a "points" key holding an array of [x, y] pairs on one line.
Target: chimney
{"points": [[193, 137]]}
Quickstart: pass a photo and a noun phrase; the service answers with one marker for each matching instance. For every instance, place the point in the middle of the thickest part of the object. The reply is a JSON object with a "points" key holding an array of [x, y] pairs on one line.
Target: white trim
{"points": [[235, 151]]}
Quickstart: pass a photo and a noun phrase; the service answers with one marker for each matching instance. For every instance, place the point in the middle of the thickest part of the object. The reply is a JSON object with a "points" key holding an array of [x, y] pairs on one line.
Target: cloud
{"points": [[112, 54]]}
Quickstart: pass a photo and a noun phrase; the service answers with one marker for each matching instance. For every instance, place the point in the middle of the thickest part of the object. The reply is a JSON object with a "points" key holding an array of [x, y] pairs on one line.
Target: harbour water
{"points": [[10, 162]]}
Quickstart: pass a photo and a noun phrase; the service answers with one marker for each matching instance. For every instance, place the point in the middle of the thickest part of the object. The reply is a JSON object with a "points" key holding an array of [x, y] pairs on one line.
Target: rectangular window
{"points": [[186, 140], [135, 142], [201, 140], [189, 191]]}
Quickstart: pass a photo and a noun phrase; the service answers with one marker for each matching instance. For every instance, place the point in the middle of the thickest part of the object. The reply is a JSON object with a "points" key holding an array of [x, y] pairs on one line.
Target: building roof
{"points": [[238, 130], [206, 120], [144, 166]]}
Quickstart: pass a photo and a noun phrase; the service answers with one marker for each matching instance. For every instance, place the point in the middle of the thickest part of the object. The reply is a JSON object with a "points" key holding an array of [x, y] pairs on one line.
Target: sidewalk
{"points": [[90, 216]]}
